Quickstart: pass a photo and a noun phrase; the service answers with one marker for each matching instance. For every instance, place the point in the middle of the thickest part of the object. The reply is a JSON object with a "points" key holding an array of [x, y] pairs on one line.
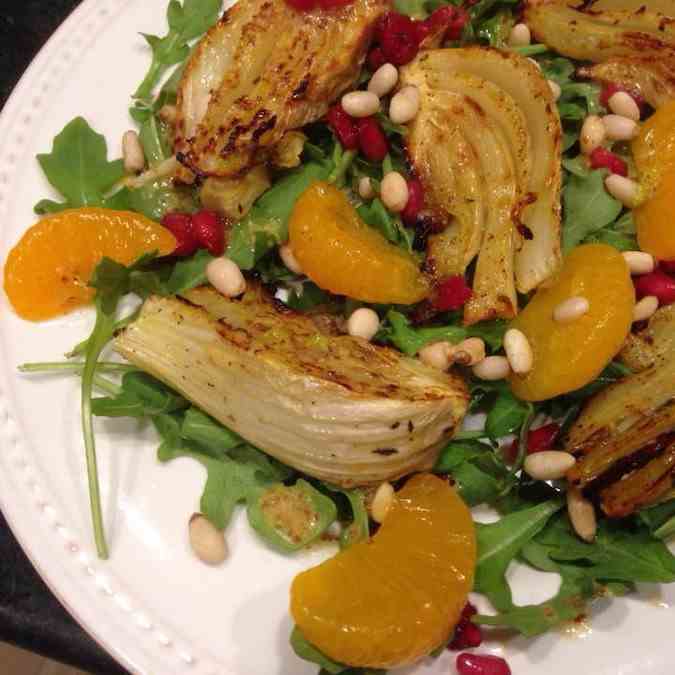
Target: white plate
{"points": [[152, 606]]}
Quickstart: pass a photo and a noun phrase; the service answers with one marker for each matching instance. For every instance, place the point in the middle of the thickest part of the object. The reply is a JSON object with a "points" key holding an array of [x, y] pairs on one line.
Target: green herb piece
{"points": [[200, 428], [78, 168], [187, 21], [308, 296], [308, 652], [506, 415], [498, 545], [659, 518], [495, 30], [588, 207], [621, 234], [358, 530], [414, 8], [290, 518]]}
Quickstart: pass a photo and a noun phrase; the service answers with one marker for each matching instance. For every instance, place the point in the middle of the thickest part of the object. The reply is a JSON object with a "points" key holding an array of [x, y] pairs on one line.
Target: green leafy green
{"points": [[659, 519], [187, 21], [621, 234], [506, 415], [78, 168], [358, 530], [200, 428]]}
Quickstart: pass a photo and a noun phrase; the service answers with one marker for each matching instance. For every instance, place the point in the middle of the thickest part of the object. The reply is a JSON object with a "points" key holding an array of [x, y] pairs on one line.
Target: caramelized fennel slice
{"points": [[264, 69], [335, 407]]}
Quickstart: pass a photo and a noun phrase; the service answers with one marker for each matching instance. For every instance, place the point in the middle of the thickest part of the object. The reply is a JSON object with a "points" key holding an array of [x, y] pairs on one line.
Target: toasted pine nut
{"points": [[619, 128], [624, 104], [132, 152], [571, 309], [622, 188], [437, 355], [384, 79], [168, 113], [404, 105], [582, 514], [226, 277], [360, 103], [555, 89], [518, 351], [492, 368], [645, 308], [469, 352], [639, 262], [382, 501], [289, 259], [206, 540], [592, 135], [520, 36], [394, 191], [548, 464], [363, 323], [366, 190]]}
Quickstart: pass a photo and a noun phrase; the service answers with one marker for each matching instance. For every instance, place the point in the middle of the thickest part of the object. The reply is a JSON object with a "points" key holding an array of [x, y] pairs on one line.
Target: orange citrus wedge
{"points": [[393, 599], [342, 254], [47, 272]]}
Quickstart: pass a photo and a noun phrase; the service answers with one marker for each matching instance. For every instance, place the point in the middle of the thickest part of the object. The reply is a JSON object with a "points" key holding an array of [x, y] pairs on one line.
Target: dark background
{"points": [[30, 616]]}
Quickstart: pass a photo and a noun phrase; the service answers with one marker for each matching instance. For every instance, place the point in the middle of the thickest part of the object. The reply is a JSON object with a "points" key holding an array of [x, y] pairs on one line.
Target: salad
{"points": [[395, 260]]}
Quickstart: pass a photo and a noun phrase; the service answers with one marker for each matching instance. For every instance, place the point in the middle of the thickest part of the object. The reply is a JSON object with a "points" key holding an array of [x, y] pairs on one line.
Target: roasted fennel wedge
{"points": [[624, 436], [335, 407]]}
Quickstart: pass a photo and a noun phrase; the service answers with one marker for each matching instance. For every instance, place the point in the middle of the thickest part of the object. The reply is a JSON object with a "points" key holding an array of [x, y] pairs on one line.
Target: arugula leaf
{"points": [[376, 215], [200, 428], [307, 296], [588, 207], [414, 8], [506, 415], [659, 519], [78, 168], [621, 234], [499, 543], [187, 21]]}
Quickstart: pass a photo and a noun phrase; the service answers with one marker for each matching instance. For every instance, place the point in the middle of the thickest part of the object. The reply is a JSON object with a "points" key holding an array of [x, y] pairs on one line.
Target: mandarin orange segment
{"points": [[342, 254], [654, 147], [568, 356], [47, 272], [654, 220], [393, 599]]}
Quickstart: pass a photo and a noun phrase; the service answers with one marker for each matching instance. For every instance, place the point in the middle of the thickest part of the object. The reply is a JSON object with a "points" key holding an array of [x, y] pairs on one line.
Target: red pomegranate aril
{"points": [[612, 88], [334, 4], [601, 158], [656, 283], [302, 5], [479, 664], [180, 225], [667, 266], [468, 611], [415, 202], [452, 293], [372, 141], [344, 127], [375, 59], [539, 439], [421, 29], [397, 37], [209, 231], [467, 636], [456, 27]]}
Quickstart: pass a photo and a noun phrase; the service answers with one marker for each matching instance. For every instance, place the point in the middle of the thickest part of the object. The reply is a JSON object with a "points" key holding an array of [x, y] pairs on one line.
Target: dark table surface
{"points": [[30, 616]]}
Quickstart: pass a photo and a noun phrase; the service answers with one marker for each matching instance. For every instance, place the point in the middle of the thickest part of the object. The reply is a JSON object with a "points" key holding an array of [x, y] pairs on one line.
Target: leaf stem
{"points": [[47, 367], [522, 439], [81, 348]]}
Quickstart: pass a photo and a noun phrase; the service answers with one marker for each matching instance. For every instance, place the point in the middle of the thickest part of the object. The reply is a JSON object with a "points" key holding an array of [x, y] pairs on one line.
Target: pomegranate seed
{"points": [[452, 293], [396, 35], [415, 202], [469, 611], [180, 225], [477, 664], [668, 266], [656, 283], [456, 27], [421, 29], [601, 158], [209, 230], [449, 19], [333, 4], [372, 141], [539, 439], [375, 59], [344, 127], [302, 5], [612, 88], [467, 636]]}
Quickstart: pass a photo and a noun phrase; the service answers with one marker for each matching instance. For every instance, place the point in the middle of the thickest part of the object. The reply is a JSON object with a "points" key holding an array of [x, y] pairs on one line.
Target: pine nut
{"points": [[582, 514], [548, 464], [394, 191], [571, 309], [592, 135], [555, 89], [289, 259], [518, 351], [363, 323], [619, 128], [382, 502], [132, 153], [492, 368], [437, 355], [622, 188], [639, 262], [469, 352], [624, 104], [404, 105], [168, 113], [366, 190], [206, 540], [384, 79], [645, 308], [360, 103], [520, 36], [226, 277]]}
